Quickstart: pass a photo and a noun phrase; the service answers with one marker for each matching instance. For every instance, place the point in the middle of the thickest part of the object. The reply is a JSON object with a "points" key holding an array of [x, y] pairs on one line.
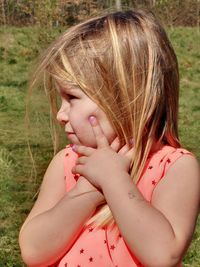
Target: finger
{"points": [[124, 150], [127, 147], [129, 154], [82, 150], [99, 135], [115, 145], [73, 170], [81, 160], [131, 141], [78, 169]]}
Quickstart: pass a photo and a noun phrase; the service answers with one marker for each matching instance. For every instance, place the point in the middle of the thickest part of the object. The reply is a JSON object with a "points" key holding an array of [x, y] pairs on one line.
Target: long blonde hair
{"points": [[125, 63]]}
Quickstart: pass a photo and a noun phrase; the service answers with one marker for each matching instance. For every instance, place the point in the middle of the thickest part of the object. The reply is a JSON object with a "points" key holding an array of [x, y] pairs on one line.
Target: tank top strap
{"points": [[170, 158], [157, 167], [69, 162]]}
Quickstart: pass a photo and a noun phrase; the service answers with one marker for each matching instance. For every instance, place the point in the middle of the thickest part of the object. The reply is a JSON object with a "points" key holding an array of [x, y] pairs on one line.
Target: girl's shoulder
{"points": [[52, 188], [179, 180], [70, 158], [169, 153], [55, 171], [182, 163], [177, 193], [56, 163], [177, 167], [169, 166], [178, 161], [167, 156]]}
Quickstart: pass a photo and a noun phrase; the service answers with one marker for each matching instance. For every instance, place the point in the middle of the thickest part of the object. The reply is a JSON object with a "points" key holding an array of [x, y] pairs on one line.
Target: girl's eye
{"points": [[70, 97]]}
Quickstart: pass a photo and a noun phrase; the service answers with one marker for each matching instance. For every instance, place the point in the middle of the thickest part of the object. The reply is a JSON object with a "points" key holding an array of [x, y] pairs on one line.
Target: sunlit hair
{"points": [[125, 63]]}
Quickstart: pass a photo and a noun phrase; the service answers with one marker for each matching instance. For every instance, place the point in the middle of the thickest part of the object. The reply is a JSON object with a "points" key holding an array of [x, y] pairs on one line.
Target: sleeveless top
{"points": [[103, 247]]}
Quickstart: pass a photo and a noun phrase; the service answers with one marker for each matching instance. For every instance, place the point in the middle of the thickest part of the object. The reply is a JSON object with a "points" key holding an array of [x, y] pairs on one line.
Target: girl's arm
{"points": [[56, 218], [158, 233]]}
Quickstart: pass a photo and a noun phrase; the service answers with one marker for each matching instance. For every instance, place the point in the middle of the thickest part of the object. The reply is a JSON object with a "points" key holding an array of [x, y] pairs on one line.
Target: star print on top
{"points": [[100, 247]]}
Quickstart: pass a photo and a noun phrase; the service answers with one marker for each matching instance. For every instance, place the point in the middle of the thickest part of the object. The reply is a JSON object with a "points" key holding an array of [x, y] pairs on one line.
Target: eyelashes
{"points": [[69, 97]]}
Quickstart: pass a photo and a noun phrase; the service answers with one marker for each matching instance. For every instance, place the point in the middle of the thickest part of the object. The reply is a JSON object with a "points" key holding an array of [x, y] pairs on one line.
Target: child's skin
{"points": [[160, 229], [75, 109], [152, 231], [53, 209]]}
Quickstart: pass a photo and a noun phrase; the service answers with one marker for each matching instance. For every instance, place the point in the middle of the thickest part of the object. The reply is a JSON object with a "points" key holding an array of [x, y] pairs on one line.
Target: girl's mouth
{"points": [[70, 134]]}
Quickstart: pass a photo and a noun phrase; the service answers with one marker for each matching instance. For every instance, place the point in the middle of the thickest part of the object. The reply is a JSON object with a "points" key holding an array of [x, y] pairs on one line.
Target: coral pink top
{"points": [[102, 247]]}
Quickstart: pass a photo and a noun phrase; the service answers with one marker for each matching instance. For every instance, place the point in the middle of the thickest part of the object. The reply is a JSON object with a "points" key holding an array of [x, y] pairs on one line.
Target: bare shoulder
{"points": [[52, 188], [53, 181], [183, 174], [177, 196], [55, 169]]}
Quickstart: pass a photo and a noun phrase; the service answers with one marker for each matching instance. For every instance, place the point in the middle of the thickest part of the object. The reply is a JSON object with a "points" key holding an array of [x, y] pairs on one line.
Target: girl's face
{"points": [[76, 108]]}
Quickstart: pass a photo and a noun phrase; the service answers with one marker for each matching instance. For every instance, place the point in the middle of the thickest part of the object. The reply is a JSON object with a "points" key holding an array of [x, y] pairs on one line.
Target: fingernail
{"points": [[131, 141], [76, 176], [92, 119], [74, 147]]}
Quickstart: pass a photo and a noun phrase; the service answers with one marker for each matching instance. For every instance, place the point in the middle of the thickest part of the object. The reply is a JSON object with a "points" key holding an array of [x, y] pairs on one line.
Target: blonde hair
{"points": [[125, 63]]}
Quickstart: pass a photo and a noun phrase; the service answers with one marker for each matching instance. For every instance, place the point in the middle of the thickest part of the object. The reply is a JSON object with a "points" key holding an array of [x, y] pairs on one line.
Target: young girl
{"points": [[124, 193]]}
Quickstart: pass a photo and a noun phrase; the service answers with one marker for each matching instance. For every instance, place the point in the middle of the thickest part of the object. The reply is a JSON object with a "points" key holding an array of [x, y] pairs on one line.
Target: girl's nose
{"points": [[62, 116]]}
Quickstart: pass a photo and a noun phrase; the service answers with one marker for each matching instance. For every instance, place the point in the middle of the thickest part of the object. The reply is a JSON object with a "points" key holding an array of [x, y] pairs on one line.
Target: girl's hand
{"points": [[103, 163]]}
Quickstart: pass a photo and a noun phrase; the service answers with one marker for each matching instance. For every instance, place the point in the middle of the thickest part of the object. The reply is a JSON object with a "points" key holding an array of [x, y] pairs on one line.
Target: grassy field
{"points": [[18, 183]]}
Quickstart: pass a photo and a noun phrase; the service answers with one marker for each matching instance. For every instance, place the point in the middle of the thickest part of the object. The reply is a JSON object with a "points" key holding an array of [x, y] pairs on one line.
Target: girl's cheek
{"points": [[83, 130], [82, 127], [105, 125]]}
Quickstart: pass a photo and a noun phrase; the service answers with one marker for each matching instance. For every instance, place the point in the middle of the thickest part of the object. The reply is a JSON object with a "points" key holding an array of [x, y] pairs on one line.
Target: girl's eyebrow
{"points": [[64, 87], [68, 88], [71, 89]]}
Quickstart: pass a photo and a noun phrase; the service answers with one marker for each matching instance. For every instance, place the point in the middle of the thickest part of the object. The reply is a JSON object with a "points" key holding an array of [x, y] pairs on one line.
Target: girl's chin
{"points": [[72, 137]]}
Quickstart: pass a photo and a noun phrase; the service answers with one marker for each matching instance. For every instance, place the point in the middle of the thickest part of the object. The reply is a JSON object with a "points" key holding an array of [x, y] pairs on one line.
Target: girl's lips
{"points": [[69, 134]]}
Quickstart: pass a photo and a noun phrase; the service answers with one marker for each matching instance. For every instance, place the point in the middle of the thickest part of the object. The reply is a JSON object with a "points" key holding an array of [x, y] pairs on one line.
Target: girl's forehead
{"points": [[67, 86]]}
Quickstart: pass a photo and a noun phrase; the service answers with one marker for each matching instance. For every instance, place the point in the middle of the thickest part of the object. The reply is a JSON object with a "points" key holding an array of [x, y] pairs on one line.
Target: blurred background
{"points": [[26, 29]]}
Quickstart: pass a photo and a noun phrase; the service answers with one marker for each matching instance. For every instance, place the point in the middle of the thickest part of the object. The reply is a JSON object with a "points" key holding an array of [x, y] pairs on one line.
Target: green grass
{"points": [[18, 48]]}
